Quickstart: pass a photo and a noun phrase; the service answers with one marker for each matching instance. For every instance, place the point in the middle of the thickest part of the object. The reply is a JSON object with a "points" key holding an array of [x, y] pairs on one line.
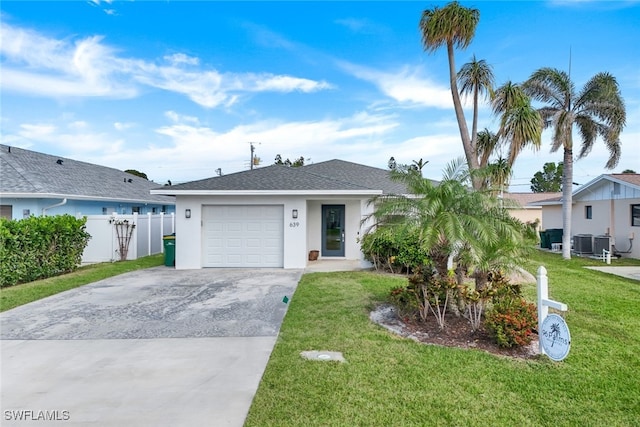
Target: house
{"points": [[274, 216], [33, 183], [606, 211], [524, 206]]}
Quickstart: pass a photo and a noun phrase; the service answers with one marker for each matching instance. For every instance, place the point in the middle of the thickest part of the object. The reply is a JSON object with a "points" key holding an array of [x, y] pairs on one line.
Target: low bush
{"points": [[512, 321], [394, 250], [405, 300], [40, 247]]}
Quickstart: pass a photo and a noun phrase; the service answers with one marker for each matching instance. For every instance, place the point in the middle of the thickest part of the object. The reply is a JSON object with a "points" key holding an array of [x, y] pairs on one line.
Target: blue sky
{"points": [[178, 89]]}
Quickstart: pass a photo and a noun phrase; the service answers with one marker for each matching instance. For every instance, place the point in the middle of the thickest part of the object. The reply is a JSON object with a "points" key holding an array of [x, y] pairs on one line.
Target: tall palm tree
{"points": [[597, 110], [520, 123], [452, 26], [476, 78]]}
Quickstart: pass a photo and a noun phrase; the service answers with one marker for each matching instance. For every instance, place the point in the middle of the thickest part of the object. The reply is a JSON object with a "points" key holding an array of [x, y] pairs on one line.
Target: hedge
{"points": [[39, 247]]}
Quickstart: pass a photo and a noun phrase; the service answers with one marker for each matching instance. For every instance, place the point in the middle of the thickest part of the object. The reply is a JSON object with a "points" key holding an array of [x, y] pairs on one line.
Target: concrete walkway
{"points": [[628, 272], [330, 265], [155, 347]]}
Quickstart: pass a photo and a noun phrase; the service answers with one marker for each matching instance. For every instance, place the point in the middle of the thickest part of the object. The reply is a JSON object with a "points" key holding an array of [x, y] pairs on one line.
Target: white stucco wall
{"points": [[189, 230], [300, 235], [600, 222], [609, 217], [551, 217], [623, 229], [527, 215]]}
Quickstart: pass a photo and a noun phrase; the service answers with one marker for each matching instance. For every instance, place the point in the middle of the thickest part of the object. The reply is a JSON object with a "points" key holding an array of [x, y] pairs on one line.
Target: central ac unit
{"points": [[601, 243], [582, 244]]}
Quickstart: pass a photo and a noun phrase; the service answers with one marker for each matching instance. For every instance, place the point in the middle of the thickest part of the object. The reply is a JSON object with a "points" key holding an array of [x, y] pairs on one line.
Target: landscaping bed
{"points": [[457, 333]]}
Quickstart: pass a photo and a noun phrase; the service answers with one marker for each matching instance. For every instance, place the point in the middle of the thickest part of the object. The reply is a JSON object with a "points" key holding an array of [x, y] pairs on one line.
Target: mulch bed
{"points": [[457, 333]]}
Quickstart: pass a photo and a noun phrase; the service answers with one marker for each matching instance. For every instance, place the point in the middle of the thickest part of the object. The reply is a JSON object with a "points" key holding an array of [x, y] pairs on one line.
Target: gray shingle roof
{"points": [[332, 175], [29, 172]]}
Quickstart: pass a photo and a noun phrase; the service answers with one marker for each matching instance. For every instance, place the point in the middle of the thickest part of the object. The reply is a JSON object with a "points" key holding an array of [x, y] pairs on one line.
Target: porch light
{"points": [[187, 213], [294, 213]]}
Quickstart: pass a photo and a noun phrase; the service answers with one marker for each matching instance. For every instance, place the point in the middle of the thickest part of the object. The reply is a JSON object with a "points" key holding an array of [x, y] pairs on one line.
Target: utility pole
{"points": [[253, 157]]}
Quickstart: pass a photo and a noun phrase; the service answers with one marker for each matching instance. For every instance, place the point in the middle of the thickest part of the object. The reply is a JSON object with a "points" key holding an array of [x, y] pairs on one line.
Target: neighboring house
{"points": [[274, 216], [523, 206], [33, 183], [609, 205]]}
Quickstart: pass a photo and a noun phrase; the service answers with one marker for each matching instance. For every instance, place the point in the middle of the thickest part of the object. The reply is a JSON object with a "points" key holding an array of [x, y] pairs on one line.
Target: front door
{"points": [[333, 230]]}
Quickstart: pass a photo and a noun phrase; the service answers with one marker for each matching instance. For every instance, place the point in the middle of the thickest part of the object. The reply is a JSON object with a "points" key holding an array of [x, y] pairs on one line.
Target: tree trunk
{"points": [[567, 200], [482, 278], [469, 149]]}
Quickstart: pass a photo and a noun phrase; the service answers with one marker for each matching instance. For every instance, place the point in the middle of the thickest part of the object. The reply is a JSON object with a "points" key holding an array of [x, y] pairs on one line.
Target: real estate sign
{"points": [[555, 337]]}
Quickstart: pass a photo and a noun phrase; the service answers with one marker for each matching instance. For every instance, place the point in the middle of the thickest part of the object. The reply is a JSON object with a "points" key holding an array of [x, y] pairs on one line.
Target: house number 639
{"points": [[294, 224]]}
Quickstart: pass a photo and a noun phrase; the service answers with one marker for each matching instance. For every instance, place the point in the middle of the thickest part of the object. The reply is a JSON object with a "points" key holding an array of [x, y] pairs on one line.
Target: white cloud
{"points": [[78, 125], [361, 26], [44, 66], [119, 126], [36, 131], [76, 141], [178, 118], [181, 58], [407, 85], [270, 82]]}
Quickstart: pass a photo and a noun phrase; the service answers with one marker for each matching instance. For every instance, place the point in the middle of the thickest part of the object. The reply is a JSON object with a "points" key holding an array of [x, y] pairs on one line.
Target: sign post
{"points": [[553, 332]]}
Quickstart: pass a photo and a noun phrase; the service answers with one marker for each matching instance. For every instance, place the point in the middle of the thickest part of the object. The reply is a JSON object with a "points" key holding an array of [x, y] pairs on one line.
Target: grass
{"points": [[390, 381], [14, 296]]}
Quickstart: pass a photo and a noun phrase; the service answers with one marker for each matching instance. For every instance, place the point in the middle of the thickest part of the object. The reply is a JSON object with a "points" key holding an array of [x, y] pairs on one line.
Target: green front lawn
{"points": [[390, 381], [14, 296]]}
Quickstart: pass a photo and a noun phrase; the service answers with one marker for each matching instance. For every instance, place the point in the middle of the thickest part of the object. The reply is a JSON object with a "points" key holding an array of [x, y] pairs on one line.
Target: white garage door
{"points": [[243, 236]]}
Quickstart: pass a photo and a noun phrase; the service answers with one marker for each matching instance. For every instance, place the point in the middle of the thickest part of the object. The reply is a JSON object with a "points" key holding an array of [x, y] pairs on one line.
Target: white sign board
{"points": [[555, 337]]}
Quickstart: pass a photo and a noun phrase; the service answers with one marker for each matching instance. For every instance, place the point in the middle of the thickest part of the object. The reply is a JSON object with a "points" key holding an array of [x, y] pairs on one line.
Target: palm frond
{"points": [[452, 24]]}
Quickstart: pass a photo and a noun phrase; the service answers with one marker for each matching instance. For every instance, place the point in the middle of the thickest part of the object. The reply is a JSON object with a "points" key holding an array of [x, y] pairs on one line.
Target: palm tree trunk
{"points": [[567, 201], [481, 278], [469, 149], [474, 126]]}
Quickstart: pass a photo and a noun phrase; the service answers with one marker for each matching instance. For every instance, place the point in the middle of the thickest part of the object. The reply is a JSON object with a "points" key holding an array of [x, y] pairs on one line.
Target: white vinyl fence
{"points": [[146, 236]]}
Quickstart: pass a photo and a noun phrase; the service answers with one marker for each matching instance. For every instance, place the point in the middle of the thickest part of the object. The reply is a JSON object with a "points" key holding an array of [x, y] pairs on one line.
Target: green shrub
{"points": [[40, 247], [405, 300], [394, 249]]}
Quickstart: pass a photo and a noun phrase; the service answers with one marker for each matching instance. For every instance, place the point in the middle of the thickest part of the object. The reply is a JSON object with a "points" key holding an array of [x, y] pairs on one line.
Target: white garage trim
{"points": [[243, 236]]}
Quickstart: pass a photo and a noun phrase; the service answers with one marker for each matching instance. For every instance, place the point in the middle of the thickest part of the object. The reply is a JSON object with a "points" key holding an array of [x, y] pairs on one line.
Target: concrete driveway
{"points": [[155, 347]]}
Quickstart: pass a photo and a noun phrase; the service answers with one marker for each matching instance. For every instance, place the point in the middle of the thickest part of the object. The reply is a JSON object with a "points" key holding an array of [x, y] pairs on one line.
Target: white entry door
{"points": [[243, 236]]}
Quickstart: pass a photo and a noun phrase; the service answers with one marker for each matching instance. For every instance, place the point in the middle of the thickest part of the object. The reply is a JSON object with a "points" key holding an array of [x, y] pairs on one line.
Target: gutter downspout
{"points": [[63, 202]]}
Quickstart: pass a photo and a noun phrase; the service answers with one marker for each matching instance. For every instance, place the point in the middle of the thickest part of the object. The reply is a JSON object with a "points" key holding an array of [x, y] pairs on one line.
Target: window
{"points": [[6, 211], [135, 209], [635, 215], [588, 212]]}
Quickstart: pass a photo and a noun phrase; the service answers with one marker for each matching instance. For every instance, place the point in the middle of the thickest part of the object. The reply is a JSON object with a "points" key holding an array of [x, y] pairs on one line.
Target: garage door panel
{"points": [[234, 227], [254, 226], [243, 236], [271, 243], [234, 243], [254, 243]]}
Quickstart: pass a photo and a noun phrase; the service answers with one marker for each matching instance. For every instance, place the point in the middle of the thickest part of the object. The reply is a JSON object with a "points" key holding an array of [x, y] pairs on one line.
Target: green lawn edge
{"points": [[392, 381], [17, 295]]}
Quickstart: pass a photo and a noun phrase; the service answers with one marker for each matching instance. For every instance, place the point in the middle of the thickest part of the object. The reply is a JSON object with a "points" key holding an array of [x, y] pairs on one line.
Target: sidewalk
{"points": [[628, 272]]}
